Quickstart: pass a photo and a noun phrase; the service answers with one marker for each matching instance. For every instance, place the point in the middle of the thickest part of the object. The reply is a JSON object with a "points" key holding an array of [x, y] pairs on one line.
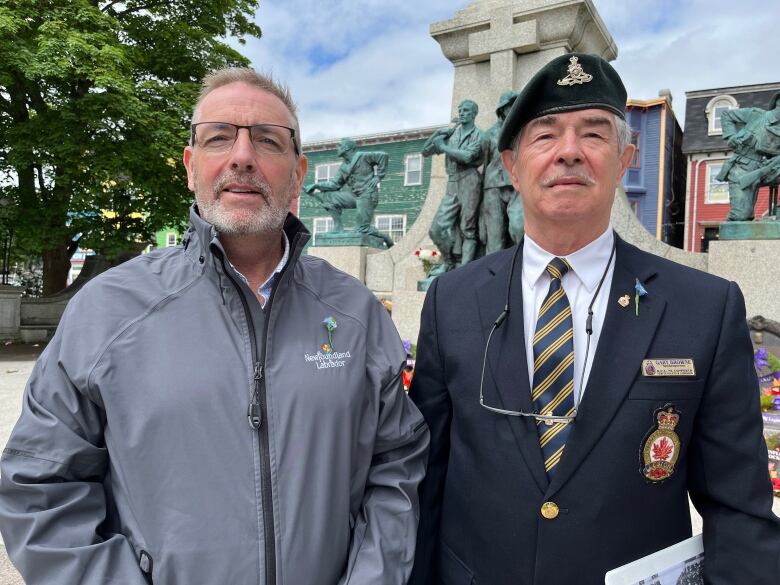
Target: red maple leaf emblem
{"points": [[662, 450]]}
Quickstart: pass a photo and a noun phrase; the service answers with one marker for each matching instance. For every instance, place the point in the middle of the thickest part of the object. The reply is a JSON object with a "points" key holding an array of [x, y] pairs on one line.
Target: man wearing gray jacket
{"points": [[223, 412]]}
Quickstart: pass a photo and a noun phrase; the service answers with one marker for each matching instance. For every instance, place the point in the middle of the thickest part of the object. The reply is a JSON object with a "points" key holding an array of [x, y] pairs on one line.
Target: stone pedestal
{"points": [[10, 312], [350, 259], [749, 230], [754, 266], [407, 306], [349, 239], [496, 45]]}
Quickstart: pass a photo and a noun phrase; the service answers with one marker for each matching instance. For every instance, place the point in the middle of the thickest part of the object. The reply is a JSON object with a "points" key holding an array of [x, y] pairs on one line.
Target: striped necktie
{"points": [[553, 385]]}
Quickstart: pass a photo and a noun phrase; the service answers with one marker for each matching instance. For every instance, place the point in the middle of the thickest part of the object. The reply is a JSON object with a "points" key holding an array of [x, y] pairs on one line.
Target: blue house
{"points": [[655, 180]]}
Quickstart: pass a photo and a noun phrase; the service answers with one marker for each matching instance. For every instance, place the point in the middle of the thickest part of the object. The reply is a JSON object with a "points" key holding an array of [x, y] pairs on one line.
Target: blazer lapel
{"points": [[623, 343], [506, 383]]}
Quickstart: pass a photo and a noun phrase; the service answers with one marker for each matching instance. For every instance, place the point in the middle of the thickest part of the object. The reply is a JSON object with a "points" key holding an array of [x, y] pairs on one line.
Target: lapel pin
{"points": [[623, 301], [640, 292]]}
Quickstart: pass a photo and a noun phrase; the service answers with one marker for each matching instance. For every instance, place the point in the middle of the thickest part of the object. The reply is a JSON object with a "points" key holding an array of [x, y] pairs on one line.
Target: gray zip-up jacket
{"points": [[160, 442]]}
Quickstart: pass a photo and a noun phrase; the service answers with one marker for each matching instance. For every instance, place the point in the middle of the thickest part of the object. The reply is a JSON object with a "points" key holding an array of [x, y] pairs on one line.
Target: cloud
{"points": [[368, 66]]}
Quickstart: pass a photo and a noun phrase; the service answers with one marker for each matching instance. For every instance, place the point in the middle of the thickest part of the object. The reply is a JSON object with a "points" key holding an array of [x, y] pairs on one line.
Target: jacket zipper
{"points": [[257, 409], [256, 414]]}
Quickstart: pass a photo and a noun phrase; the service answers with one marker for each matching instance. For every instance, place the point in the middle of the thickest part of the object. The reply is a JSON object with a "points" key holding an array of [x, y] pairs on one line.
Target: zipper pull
{"points": [[253, 412]]}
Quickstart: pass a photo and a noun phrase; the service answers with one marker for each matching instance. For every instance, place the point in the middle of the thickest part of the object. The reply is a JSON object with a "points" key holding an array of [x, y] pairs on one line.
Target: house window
{"points": [[170, 239], [326, 171], [717, 191], [714, 111], [635, 160], [321, 225], [413, 169], [392, 225]]}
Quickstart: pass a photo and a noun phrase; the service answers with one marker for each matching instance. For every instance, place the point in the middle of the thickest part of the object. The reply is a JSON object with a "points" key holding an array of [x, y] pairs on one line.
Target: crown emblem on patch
{"points": [[576, 75], [667, 420]]}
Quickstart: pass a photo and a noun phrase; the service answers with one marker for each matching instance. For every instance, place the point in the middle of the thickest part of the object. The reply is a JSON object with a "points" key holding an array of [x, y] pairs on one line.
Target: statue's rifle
{"points": [[771, 171]]}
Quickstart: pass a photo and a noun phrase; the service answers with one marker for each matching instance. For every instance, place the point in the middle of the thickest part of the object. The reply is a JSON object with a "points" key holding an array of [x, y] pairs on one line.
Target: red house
{"points": [[707, 200]]}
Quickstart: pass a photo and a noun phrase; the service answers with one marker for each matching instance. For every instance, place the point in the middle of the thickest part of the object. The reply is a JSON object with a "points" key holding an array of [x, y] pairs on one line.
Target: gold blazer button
{"points": [[550, 510]]}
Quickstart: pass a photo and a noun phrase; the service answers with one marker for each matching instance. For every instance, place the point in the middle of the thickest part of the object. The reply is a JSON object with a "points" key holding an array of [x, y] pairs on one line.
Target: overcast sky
{"points": [[365, 66]]}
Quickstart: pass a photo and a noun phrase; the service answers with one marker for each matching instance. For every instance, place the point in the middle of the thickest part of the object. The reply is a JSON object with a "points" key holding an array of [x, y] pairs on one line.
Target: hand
{"points": [[310, 188]]}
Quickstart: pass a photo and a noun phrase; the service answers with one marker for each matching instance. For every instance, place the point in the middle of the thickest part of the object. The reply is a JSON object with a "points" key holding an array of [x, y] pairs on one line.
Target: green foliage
{"points": [[774, 362], [95, 101]]}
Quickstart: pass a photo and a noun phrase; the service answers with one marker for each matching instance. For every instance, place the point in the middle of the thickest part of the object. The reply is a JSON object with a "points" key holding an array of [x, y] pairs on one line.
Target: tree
{"points": [[95, 103]]}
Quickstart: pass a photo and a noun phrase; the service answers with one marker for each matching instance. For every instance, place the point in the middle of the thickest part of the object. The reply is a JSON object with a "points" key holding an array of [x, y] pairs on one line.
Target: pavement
{"points": [[16, 364]]}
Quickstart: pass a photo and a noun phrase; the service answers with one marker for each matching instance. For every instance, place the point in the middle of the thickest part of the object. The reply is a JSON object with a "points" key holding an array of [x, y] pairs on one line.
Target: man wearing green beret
{"points": [[579, 390]]}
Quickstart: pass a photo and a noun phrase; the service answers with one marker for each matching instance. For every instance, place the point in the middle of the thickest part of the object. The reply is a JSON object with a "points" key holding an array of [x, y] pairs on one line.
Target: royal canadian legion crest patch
{"points": [[661, 448]]}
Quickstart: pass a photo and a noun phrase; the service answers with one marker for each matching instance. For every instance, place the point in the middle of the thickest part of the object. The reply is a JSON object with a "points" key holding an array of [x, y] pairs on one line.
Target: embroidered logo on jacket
{"points": [[327, 357]]}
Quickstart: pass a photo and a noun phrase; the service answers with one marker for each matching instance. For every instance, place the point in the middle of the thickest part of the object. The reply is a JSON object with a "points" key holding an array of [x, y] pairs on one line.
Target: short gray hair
{"points": [[264, 81], [622, 129]]}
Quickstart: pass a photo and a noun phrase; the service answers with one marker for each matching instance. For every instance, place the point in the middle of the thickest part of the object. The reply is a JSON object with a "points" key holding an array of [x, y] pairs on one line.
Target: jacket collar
{"points": [[202, 238]]}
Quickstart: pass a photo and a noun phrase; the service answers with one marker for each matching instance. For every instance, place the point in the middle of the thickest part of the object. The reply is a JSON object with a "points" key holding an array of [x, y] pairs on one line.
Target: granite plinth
{"points": [[330, 239], [750, 230], [752, 265], [407, 306], [10, 311], [350, 259]]}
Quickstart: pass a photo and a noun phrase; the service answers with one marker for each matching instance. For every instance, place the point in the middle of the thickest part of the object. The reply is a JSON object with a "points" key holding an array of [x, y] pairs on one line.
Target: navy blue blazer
{"points": [[480, 519]]}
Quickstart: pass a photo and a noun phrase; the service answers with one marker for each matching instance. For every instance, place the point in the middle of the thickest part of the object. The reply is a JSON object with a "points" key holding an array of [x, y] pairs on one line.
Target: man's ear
{"points": [[301, 166], [508, 160], [187, 160], [625, 160]]}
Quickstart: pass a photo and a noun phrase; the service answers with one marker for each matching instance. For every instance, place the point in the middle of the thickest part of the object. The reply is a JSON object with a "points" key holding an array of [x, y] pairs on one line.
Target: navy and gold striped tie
{"points": [[553, 386]]}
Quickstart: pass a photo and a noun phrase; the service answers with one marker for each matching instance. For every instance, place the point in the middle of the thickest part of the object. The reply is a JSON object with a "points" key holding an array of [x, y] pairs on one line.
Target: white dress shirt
{"points": [[267, 287], [587, 267]]}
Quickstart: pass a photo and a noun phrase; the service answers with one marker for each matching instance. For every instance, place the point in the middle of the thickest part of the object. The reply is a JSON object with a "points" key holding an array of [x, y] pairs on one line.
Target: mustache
{"points": [[580, 176], [257, 183]]}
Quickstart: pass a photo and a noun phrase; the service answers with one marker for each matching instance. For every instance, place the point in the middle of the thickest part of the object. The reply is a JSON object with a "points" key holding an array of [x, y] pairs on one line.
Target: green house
{"points": [[402, 191]]}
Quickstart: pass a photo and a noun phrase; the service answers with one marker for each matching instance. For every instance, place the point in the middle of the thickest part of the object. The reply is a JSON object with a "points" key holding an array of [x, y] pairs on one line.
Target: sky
{"points": [[359, 67]]}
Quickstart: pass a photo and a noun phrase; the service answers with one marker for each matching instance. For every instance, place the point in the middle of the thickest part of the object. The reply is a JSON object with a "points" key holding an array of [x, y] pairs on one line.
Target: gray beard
{"points": [[266, 220]]}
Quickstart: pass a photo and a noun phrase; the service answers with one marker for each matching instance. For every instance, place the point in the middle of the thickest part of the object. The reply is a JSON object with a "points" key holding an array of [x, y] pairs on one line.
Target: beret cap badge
{"points": [[576, 75]]}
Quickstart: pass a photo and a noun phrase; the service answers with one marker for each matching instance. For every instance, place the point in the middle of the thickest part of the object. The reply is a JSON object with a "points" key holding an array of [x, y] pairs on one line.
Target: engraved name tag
{"points": [[668, 367]]}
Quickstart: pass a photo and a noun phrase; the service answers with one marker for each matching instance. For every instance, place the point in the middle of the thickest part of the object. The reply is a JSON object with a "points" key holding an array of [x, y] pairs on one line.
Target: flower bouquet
{"points": [[430, 258]]}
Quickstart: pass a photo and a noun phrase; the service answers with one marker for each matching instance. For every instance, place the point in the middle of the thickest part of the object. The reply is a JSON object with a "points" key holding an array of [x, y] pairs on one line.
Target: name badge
{"points": [[668, 367]]}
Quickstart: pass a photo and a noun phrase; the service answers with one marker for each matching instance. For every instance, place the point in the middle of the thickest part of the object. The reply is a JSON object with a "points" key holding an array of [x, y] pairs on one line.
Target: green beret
{"points": [[576, 81]]}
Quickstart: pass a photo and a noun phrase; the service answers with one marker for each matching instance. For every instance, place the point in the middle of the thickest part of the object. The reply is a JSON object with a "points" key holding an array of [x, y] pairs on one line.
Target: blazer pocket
{"points": [[666, 389], [453, 570]]}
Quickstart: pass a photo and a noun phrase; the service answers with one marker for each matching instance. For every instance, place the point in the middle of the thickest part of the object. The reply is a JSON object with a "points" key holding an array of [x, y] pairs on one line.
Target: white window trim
{"points": [[168, 243], [710, 111], [390, 217], [417, 155], [332, 167], [321, 219], [708, 178]]}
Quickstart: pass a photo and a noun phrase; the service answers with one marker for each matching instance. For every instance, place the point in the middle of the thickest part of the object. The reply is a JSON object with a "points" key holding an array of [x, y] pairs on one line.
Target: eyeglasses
{"points": [[541, 417], [220, 137]]}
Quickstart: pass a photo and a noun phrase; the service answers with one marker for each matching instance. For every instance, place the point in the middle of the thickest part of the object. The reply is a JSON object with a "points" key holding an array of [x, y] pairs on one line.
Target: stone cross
{"points": [[496, 45]]}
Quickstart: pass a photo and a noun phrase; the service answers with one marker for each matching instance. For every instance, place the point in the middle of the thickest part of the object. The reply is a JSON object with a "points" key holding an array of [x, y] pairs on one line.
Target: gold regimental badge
{"points": [[662, 446], [576, 75], [623, 301]]}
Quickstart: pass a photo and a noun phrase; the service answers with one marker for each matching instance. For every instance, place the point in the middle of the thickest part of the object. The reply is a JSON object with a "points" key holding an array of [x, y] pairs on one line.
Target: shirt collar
{"points": [[267, 286], [587, 263]]}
